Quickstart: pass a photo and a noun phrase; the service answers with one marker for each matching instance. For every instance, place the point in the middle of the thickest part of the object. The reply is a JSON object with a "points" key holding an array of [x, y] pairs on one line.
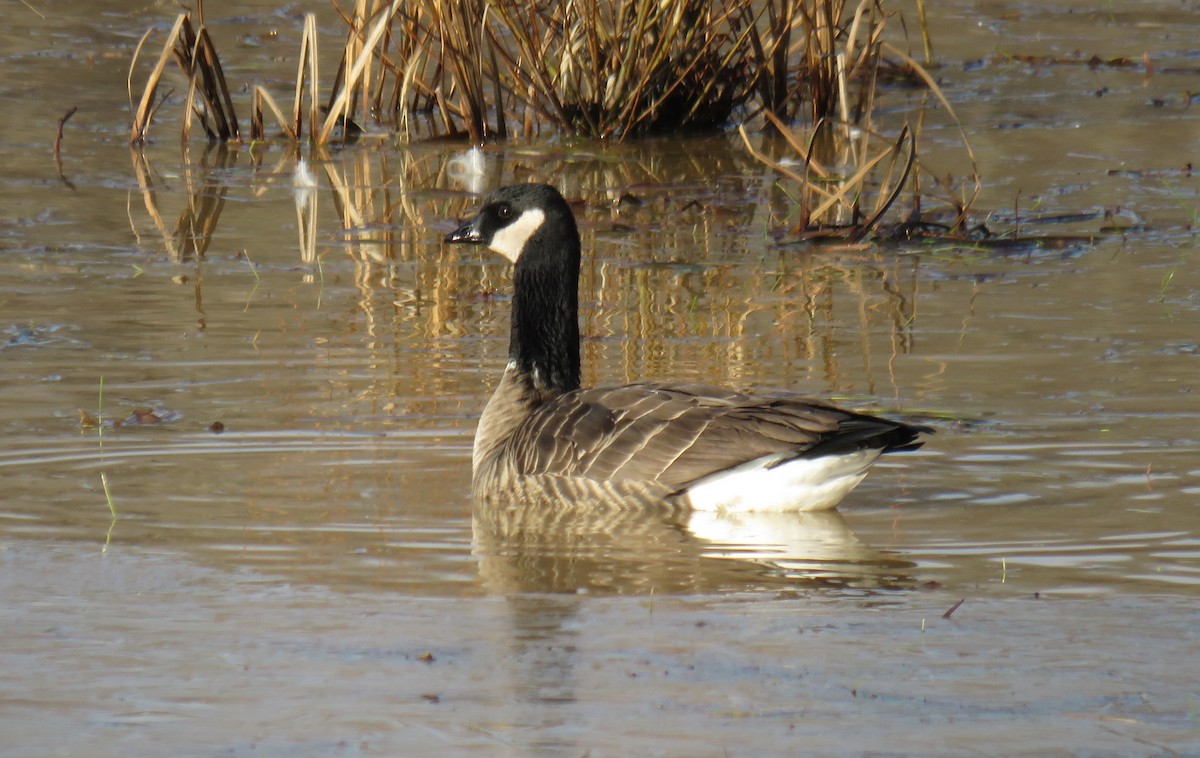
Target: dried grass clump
{"points": [[842, 173], [618, 68], [208, 96], [607, 68], [602, 68]]}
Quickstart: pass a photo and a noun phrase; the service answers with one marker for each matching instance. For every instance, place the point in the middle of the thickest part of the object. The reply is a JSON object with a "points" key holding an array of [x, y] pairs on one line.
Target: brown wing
{"points": [[677, 434]]}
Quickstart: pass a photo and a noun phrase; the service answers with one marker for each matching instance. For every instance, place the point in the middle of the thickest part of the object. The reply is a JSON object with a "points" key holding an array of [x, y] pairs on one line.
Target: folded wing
{"points": [[677, 434]]}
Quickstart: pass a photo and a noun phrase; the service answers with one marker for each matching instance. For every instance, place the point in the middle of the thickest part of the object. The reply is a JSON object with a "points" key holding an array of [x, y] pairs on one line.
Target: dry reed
{"points": [[208, 97], [602, 68], [607, 69]]}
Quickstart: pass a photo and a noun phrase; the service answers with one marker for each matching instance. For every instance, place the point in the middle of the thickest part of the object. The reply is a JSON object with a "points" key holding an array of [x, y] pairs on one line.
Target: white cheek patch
{"points": [[510, 240]]}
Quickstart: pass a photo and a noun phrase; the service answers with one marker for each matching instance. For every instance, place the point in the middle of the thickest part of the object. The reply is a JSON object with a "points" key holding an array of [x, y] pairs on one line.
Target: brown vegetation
{"points": [[601, 68], [806, 69]]}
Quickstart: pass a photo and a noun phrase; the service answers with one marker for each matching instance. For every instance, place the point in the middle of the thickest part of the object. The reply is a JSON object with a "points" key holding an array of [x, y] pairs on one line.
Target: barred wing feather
{"points": [[677, 434]]}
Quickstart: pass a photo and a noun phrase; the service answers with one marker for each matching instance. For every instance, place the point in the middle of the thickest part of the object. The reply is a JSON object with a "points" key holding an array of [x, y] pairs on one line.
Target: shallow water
{"points": [[295, 567]]}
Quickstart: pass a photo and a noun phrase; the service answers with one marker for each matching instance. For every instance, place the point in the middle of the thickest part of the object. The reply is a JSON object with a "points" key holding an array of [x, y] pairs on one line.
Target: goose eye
{"points": [[504, 211]]}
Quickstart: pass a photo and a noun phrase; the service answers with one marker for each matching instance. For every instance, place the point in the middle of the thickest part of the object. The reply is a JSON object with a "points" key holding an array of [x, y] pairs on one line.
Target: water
{"points": [[295, 567]]}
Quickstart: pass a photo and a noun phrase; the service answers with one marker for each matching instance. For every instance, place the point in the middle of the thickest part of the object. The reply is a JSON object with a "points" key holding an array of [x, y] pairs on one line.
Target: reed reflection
{"points": [[683, 279], [205, 192]]}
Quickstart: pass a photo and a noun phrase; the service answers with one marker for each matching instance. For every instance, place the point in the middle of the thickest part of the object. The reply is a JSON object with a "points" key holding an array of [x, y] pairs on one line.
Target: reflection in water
{"points": [[653, 296], [543, 664], [206, 190], [543, 544], [367, 325], [816, 547]]}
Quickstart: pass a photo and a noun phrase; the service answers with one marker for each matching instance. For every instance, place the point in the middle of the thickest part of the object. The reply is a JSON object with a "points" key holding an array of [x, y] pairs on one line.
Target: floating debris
{"points": [[953, 608], [29, 335], [470, 169], [138, 417]]}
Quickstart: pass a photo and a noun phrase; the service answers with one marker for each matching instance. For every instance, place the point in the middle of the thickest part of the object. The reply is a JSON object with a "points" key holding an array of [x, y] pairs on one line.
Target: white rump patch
{"points": [[802, 484], [510, 240]]}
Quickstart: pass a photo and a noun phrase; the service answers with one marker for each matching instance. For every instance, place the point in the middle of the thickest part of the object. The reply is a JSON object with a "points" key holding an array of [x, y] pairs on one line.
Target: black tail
{"points": [[860, 432]]}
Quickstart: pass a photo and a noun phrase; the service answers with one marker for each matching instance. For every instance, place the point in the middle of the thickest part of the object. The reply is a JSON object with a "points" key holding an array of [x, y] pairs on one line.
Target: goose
{"points": [[685, 444]]}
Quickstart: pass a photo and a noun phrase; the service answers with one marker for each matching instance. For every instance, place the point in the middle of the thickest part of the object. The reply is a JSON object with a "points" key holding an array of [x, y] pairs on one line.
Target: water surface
{"points": [[287, 386]]}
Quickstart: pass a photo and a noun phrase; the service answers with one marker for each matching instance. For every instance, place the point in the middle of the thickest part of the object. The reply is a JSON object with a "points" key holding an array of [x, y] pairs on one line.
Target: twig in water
{"points": [[58, 139], [250, 263], [111, 524], [112, 508], [953, 608], [100, 414], [1017, 214], [58, 146], [257, 279]]}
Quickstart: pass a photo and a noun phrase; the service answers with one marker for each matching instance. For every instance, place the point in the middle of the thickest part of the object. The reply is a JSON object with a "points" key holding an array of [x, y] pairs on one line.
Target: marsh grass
{"points": [[620, 68], [609, 69], [208, 98], [846, 178], [847, 182], [808, 71], [846, 192], [600, 68]]}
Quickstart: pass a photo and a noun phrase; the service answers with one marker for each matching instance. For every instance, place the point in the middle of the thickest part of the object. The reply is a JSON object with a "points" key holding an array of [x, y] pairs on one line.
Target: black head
{"points": [[532, 226], [513, 216]]}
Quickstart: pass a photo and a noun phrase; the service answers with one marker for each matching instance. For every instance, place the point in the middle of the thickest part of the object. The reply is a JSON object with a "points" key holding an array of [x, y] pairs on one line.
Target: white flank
{"points": [[803, 484], [510, 240]]}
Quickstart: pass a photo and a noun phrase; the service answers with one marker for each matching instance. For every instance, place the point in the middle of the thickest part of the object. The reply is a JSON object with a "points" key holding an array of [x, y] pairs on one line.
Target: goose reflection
{"points": [[537, 541]]}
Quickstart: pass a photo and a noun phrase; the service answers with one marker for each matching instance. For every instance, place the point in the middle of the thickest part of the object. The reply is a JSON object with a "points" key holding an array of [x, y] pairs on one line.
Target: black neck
{"points": [[544, 343]]}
